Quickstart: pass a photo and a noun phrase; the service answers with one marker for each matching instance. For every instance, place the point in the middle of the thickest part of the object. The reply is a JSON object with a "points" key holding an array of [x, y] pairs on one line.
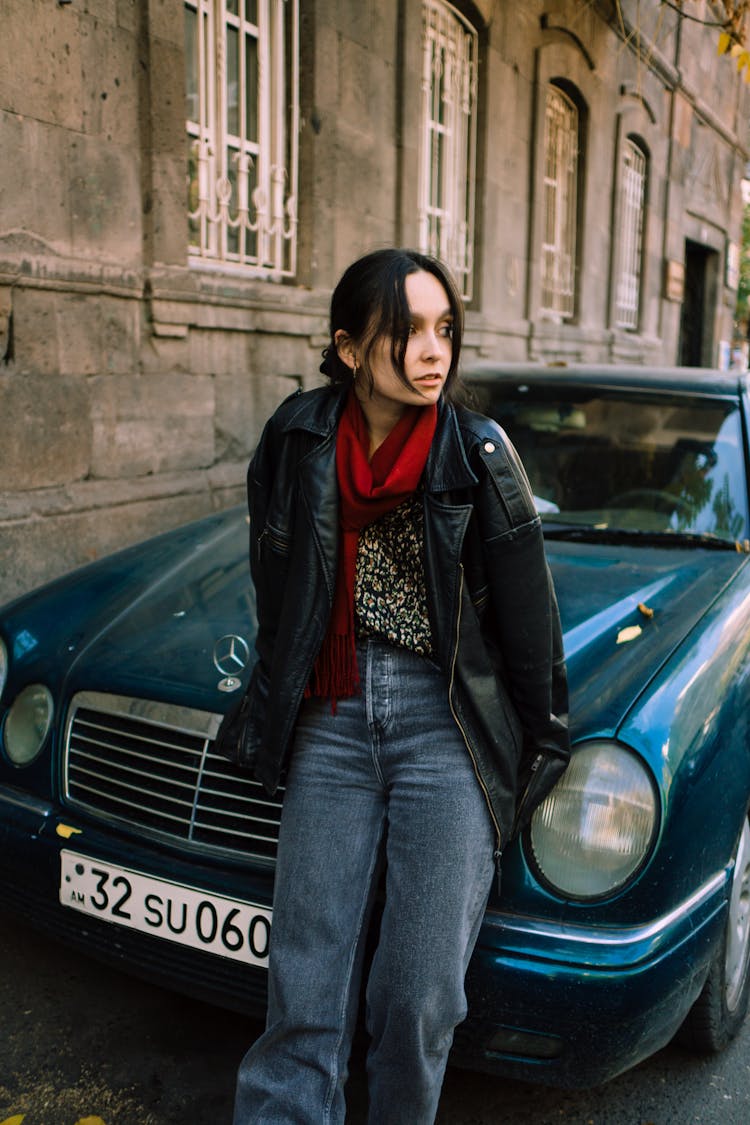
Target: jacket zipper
{"points": [[524, 797], [498, 852]]}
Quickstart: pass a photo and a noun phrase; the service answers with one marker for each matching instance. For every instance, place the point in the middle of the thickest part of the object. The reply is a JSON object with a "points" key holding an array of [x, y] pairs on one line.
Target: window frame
{"points": [[559, 254], [447, 187], [631, 233], [242, 189]]}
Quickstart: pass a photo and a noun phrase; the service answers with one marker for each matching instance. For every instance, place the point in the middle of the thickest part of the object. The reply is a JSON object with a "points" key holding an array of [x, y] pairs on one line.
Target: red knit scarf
{"points": [[368, 489]]}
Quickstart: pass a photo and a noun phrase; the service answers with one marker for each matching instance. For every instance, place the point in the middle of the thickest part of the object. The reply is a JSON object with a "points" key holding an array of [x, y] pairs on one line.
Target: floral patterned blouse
{"points": [[390, 596]]}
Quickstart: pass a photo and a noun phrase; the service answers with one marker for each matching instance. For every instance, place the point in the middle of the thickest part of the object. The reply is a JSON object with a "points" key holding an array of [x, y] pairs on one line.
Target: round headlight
{"points": [[595, 828], [3, 666], [27, 724]]}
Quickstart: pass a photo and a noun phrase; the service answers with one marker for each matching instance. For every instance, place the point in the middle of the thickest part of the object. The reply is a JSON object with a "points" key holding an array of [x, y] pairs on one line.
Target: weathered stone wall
{"points": [[133, 388], [131, 393]]}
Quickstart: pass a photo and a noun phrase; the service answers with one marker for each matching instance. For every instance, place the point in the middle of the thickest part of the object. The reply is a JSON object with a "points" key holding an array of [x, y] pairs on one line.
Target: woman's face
{"points": [[429, 350]]}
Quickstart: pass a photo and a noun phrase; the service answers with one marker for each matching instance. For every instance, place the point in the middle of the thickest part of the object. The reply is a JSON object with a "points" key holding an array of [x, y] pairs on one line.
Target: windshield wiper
{"points": [[590, 534]]}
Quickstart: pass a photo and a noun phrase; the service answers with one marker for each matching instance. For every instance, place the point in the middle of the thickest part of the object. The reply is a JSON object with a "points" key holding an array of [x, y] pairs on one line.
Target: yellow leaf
{"points": [[742, 59], [66, 831], [724, 41], [735, 50], [87, 1121], [13, 1120]]}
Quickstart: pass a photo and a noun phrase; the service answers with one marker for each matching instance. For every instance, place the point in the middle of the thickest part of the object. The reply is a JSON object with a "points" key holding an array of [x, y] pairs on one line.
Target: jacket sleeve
{"points": [[260, 478], [240, 734], [524, 617], [271, 507]]}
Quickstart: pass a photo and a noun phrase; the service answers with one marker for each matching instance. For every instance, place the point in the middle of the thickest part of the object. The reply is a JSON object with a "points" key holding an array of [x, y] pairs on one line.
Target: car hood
{"points": [[163, 643], [624, 609], [142, 622], [146, 622]]}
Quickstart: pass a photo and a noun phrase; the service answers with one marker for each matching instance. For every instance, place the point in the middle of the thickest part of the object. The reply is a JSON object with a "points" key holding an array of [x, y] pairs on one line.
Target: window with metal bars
{"points": [[447, 180], [633, 168], [560, 203], [242, 112]]}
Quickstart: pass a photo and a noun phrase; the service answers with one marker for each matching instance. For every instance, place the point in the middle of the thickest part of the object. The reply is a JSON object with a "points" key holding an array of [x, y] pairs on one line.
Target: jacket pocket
{"points": [[274, 540], [480, 598]]}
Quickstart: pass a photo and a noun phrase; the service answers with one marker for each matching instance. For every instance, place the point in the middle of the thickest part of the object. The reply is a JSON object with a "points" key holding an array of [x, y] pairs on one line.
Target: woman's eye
{"points": [[445, 330]]}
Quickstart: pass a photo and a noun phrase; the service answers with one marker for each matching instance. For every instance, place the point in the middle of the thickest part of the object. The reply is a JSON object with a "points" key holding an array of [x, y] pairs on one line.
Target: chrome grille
{"points": [[152, 766]]}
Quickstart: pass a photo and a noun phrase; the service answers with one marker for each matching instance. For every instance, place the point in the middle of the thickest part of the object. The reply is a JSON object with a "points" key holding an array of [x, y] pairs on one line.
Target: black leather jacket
{"points": [[493, 613]]}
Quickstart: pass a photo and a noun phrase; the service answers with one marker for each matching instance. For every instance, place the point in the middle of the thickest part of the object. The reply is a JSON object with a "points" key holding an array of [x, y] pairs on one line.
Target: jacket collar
{"points": [[447, 465], [316, 412]]}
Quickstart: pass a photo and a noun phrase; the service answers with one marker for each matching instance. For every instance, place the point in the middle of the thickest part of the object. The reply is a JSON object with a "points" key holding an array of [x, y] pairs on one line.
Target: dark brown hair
{"points": [[369, 303]]}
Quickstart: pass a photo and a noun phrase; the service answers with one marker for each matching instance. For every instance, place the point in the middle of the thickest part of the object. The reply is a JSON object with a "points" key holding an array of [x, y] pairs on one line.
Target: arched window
{"points": [[241, 59], [559, 231], [633, 168], [448, 140]]}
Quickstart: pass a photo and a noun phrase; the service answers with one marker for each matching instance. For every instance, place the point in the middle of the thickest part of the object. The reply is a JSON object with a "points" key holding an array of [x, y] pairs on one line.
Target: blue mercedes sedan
{"points": [[624, 918]]}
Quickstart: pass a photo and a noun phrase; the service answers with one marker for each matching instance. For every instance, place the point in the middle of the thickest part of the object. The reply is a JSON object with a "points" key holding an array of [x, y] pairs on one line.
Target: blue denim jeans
{"points": [[386, 782]]}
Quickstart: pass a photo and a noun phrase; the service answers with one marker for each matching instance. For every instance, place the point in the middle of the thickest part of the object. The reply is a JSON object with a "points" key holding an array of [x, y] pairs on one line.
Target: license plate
{"points": [[164, 909]]}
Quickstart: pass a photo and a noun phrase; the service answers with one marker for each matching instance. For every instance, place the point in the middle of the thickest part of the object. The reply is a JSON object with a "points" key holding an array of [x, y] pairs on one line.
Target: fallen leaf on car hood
{"points": [[629, 633]]}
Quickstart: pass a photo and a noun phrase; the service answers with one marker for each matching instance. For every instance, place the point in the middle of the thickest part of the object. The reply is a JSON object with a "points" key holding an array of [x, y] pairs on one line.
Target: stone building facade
{"points": [[183, 181]]}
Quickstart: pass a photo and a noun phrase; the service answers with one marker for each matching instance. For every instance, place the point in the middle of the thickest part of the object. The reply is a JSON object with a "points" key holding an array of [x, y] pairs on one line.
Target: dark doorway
{"points": [[698, 306]]}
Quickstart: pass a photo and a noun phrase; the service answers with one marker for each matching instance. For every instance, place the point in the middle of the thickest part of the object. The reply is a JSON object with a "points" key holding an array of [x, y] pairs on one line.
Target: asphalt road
{"points": [[78, 1041]]}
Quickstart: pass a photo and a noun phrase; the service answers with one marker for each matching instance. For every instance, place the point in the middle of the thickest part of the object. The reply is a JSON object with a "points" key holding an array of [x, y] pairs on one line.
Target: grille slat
{"points": [[151, 766], [148, 814], [152, 759], [136, 736], [111, 775], [81, 775], [237, 833], [215, 810]]}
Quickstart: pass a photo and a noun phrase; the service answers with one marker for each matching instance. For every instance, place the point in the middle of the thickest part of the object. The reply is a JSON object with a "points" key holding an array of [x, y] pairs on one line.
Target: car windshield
{"points": [[633, 462]]}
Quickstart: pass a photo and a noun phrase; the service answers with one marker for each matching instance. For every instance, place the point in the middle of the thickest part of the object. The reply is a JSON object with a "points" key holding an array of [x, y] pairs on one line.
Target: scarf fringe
{"points": [[335, 674]]}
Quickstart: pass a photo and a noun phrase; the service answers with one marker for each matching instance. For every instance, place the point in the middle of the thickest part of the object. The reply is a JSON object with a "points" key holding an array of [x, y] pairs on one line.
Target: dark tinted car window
{"points": [[636, 461]]}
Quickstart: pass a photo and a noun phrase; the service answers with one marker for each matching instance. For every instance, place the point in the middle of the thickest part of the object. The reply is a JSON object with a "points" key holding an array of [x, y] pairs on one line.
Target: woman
{"points": [[409, 682]]}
